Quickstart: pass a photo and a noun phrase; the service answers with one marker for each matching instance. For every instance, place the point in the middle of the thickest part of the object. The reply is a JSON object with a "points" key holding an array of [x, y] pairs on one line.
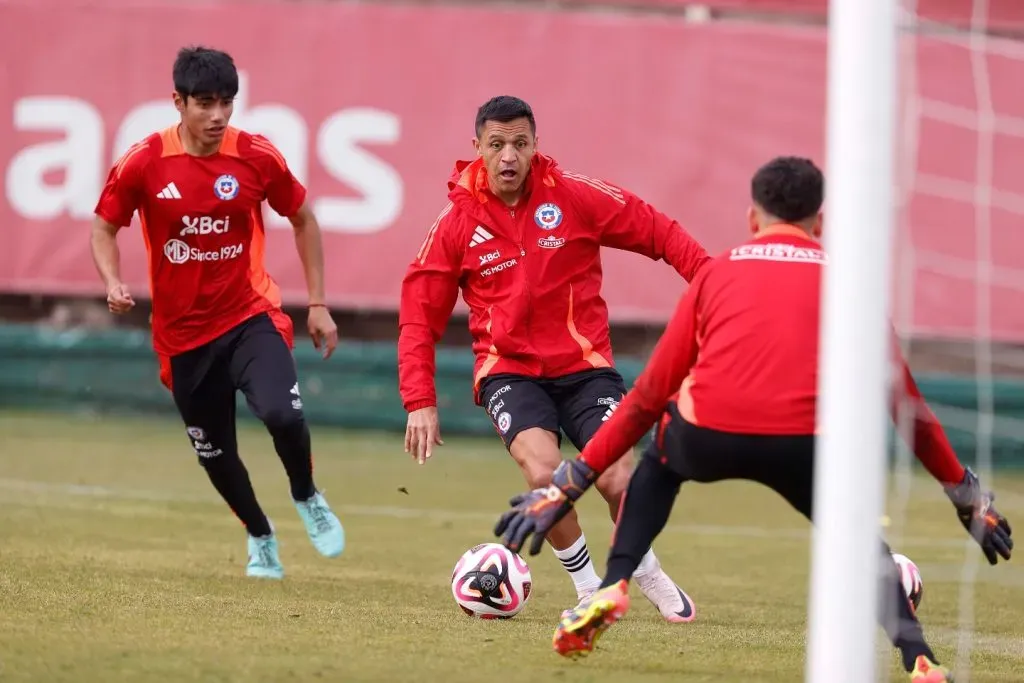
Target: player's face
{"points": [[206, 117], [507, 149]]}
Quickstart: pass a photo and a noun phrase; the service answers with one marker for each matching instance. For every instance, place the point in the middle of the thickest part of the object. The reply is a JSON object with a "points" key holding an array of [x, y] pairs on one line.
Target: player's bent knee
{"points": [[613, 482], [536, 452], [282, 419], [537, 476]]}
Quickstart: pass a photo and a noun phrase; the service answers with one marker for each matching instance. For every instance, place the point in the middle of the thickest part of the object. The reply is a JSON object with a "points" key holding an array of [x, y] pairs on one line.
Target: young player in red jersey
{"points": [[732, 386], [217, 321]]}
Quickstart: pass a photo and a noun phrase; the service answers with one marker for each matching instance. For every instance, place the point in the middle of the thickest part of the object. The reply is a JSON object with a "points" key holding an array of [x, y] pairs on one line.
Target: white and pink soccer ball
{"points": [[491, 582], [910, 577]]}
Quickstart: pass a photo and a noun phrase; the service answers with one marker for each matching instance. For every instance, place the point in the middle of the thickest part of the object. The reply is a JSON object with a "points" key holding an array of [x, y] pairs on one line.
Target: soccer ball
{"points": [[910, 577], [491, 582]]}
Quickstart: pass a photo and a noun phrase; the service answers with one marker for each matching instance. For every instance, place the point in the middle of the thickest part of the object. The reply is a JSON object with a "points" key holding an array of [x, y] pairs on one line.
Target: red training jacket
{"points": [[531, 275], [740, 355]]}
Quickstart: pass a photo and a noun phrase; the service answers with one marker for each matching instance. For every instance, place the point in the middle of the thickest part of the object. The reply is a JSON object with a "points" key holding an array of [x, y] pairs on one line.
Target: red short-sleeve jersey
{"points": [[203, 228]]}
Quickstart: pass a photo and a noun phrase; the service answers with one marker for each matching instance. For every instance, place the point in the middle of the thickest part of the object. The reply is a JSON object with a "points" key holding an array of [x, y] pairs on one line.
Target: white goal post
{"points": [[855, 340]]}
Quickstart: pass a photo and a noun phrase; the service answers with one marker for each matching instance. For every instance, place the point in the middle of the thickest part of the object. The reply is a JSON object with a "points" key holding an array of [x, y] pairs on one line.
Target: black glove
{"points": [[976, 512], [539, 510]]}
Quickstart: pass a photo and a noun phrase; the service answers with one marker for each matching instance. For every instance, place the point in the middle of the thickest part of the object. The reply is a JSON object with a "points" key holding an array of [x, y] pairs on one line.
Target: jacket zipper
{"points": [[522, 250], [526, 279]]}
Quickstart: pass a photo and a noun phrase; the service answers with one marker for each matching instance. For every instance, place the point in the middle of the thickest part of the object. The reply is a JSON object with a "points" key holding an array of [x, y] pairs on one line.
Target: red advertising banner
{"points": [[372, 105], [991, 14]]}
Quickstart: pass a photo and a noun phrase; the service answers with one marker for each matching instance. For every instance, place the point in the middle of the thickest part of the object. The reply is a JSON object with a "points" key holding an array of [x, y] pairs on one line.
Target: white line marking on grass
{"points": [[397, 512], [1006, 646]]}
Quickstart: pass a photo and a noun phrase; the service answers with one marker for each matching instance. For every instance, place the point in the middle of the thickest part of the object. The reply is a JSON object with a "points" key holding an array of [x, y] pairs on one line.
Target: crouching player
{"points": [[732, 387]]}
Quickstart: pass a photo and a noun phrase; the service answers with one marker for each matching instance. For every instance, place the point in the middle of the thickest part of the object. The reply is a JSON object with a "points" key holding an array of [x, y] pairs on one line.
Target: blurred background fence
{"points": [[114, 371], [372, 102]]}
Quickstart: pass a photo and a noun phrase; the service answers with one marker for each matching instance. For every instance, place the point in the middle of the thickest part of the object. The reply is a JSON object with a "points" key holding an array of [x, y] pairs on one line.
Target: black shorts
{"points": [[782, 463], [575, 404], [682, 452], [253, 358]]}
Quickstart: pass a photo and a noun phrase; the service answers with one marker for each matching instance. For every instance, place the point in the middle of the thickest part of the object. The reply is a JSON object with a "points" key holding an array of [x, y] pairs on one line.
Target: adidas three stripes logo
{"points": [[169, 192], [480, 236], [578, 561]]}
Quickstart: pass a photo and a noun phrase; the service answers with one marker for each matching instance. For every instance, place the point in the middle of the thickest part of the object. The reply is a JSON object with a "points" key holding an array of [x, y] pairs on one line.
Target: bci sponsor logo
{"points": [[487, 258], [204, 225]]}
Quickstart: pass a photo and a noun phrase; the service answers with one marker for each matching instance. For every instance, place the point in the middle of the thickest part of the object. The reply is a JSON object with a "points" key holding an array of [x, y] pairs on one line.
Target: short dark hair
{"points": [[504, 108], [789, 188], [205, 72]]}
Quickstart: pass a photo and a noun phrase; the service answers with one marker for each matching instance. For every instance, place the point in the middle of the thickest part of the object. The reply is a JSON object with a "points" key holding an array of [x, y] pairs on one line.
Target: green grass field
{"points": [[118, 563]]}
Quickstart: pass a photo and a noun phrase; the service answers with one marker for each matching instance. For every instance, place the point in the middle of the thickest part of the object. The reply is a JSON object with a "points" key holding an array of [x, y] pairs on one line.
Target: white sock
{"points": [[576, 560], [648, 564]]}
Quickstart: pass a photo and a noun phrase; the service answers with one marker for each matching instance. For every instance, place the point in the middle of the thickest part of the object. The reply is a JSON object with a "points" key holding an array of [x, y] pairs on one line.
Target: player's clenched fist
{"points": [[119, 300], [422, 433]]}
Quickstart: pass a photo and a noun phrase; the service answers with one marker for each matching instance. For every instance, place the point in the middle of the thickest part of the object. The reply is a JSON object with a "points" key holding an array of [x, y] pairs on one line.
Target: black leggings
{"points": [[683, 452], [255, 359]]}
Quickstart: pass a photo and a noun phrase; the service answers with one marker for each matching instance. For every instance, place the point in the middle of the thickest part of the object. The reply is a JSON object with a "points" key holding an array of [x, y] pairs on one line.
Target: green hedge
{"points": [[116, 371]]}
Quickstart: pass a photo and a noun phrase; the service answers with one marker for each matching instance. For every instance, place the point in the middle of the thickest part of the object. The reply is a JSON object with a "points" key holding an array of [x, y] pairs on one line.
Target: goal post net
{"points": [[926, 115]]}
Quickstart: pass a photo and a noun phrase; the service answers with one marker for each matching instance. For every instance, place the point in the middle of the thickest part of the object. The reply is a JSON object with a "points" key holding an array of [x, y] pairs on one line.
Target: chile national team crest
{"points": [[226, 187], [547, 216]]}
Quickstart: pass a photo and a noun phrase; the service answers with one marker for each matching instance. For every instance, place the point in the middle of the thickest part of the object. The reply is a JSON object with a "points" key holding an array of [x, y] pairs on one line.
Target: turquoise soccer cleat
{"points": [[264, 560], [322, 525]]}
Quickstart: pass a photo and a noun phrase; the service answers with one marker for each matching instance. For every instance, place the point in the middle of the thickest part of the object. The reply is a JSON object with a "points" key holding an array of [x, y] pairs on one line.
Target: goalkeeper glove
{"points": [[976, 512], [539, 510]]}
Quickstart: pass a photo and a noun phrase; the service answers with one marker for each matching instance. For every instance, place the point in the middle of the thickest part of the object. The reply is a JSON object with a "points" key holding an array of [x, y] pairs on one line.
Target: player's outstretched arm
{"points": [[538, 511], [973, 504], [309, 244], [429, 291], [107, 257], [627, 222]]}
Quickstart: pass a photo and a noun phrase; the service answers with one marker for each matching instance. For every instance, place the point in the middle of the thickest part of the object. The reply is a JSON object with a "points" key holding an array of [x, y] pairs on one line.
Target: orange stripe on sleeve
{"points": [[598, 185], [428, 241], [131, 152], [261, 144]]}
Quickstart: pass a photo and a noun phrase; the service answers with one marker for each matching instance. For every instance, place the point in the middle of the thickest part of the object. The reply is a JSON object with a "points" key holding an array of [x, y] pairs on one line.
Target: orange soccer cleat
{"points": [[927, 671], [580, 628]]}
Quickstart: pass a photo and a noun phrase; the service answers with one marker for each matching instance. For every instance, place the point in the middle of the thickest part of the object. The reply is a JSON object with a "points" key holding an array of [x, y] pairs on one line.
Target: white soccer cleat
{"points": [[581, 598], [673, 603]]}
